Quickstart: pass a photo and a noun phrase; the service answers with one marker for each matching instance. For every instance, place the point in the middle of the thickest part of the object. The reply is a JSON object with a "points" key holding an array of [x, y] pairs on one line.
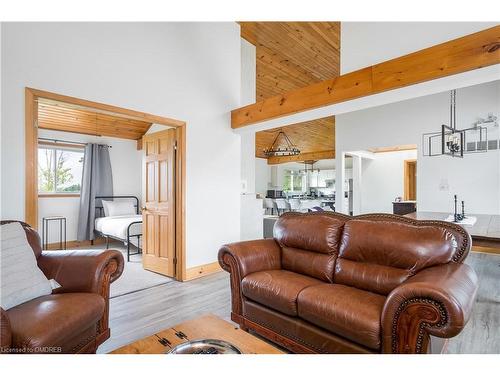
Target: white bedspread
{"points": [[116, 226]]}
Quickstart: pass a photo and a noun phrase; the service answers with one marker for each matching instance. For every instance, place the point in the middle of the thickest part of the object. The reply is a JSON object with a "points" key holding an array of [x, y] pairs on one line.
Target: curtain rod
{"points": [[64, 141]]}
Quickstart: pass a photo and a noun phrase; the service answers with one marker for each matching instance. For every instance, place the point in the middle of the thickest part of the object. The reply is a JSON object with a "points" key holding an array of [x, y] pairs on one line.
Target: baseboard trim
{"points": [[487, 250], [79, 244], [200, 271]]}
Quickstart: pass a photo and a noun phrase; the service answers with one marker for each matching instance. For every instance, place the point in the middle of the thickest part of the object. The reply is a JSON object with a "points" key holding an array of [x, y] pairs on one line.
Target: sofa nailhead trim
{"points": [[420, 338]]}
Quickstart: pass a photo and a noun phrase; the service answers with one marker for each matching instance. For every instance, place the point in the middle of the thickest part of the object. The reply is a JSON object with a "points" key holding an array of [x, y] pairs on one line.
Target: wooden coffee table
{"points": [[205, 327]]}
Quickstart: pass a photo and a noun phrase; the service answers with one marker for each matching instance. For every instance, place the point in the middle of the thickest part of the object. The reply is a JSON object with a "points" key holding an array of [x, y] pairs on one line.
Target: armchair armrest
{"points": [[88, 271], [5, 332], [243, 258], [437, 301]]}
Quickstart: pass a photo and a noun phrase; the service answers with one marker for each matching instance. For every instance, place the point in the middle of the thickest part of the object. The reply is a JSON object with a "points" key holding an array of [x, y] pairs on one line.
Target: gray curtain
{"points": [[97, 180]]}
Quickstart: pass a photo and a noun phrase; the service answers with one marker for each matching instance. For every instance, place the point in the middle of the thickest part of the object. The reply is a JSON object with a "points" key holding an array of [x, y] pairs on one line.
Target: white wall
{"points": [[382, 180], [187, 71], [251, 215], [126, 164], [248, 73], [248, 94], [475, 178], [367, 43], [262, 176]]}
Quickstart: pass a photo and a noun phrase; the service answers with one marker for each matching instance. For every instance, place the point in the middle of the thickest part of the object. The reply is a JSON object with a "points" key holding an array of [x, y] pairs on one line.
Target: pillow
{"points": [[118, 208], [21, 279]]}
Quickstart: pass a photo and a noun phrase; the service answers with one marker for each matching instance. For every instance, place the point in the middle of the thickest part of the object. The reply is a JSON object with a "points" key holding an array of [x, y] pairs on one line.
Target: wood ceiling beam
{"points": [[305, 156], [470, 52]]}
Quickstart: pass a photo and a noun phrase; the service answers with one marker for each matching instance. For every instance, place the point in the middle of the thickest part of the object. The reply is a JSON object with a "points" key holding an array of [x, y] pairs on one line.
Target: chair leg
{"points": [[128, 250], [107, 242]]}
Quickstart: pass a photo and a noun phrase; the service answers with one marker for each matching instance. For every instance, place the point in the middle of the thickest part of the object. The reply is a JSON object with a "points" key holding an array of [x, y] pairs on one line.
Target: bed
{"points": [[124, 226]]}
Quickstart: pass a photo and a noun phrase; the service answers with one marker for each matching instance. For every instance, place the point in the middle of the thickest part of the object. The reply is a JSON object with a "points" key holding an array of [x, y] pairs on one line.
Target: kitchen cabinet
{"points": [[322, 179]]}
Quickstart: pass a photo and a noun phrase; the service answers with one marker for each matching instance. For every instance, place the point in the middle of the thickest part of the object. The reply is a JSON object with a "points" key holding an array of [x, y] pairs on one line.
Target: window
{"points": [[293, 181], [59, 170]]}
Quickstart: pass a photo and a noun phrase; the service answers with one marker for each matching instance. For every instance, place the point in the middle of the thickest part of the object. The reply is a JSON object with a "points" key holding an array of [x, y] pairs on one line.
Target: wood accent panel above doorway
{"points": [[56, 115], [291, 55]]}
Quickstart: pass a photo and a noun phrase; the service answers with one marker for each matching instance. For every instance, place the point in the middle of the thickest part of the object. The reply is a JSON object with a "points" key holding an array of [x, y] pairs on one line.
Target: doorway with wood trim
{"points": [[410, 180], [129, 124]]}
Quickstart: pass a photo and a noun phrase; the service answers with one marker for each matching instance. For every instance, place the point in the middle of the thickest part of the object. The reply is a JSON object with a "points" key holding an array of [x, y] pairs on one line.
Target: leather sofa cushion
{"points": [[379, 255], [368, 276], [295, 231], [317, 265], [316, 338], [277, 289], [348, 312], [68, 315]]}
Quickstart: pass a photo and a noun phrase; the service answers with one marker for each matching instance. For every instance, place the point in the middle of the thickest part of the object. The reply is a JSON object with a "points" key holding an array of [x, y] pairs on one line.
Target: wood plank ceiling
{"points": [[60, 116], [291, 55], [309, 136]]}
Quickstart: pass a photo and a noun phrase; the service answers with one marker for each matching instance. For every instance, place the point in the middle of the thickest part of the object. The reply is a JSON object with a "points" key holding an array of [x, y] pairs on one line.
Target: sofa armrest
{"points": [[88, 271], [251, 256], [437, 301], [5, 332], [243, 258]]}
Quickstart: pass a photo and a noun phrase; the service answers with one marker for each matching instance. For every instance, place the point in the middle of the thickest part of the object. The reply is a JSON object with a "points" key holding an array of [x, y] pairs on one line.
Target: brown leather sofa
{"points": [[331, 283], [74, 318]]}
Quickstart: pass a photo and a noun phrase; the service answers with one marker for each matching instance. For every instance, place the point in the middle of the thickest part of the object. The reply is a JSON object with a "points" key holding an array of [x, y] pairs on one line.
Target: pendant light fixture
{"points": [[456, 142], [276, 150]]}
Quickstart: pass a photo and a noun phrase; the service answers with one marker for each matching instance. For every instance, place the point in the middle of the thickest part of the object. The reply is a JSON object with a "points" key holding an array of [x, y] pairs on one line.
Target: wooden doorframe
{"points": [[406, 178], [31, 163]]}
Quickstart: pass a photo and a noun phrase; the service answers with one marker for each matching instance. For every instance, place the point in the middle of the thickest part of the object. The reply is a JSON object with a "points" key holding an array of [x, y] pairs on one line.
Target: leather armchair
{"points": [[330, 283], [74, 318]]}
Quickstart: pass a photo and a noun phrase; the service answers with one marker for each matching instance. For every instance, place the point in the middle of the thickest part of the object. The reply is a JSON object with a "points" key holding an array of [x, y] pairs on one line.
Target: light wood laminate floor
{"points": [[140, 314], [143, 313]]}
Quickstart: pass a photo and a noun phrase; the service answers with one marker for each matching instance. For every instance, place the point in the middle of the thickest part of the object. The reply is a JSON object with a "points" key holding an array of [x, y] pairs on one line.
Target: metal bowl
{"points": [[205, 346]]}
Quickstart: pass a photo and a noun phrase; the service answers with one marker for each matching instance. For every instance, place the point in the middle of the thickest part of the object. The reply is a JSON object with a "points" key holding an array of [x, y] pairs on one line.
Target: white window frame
{"points": [[59, 147]]}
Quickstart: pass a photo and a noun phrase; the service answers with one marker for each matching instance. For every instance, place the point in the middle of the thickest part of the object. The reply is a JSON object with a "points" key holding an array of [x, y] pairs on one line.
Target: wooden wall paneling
{"points": [[470, 52]]}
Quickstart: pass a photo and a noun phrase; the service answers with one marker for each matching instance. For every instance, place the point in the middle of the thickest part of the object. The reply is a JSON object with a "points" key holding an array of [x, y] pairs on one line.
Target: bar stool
{"points": [[294, 204], [45, 231], [281, 206], [268, 205]]}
